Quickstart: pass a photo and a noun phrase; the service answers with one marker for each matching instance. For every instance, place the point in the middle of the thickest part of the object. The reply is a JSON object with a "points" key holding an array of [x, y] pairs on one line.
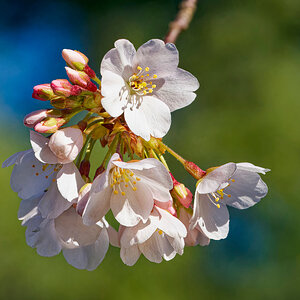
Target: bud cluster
{"points": [[128, 112]]}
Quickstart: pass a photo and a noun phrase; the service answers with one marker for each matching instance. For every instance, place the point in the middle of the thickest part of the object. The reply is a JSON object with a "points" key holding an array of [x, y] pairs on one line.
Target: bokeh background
{"points": [[246, 55]]}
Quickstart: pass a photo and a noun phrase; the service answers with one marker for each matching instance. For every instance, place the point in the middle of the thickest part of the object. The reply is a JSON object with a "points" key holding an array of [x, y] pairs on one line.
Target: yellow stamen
{"points": [[116, 192]]}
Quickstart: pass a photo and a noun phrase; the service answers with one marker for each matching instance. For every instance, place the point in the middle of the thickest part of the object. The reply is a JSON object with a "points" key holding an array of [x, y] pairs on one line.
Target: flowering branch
{"points": [[182, 20]]}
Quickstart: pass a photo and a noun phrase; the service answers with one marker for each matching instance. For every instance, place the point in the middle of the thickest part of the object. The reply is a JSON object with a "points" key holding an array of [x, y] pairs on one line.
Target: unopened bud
{"points": [[35, 117], [62, 87], [181, 193], [80, 78], [75, 59], [194, 170], [43, 92], [84, 168], [90, 72], [62, 103], [49, 125], [167, 206]]}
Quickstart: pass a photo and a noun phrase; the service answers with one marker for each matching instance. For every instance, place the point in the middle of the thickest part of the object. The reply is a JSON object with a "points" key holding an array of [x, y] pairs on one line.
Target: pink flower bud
{"points": [[181, 193], [62, 87], [81, 79], [167, 206], [66, 144], [89, 71], [43, 92], [75, 59], [35, 117], [49, 125]]}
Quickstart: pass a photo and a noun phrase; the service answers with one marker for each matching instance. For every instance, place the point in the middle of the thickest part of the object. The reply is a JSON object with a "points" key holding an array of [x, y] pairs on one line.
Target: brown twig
{"points": [[182, 20]]}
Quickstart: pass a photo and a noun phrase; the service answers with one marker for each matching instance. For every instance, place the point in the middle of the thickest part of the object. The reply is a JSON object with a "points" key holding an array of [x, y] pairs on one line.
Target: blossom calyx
{"points": [[43, 92], [181, 193], [62, 103], [81, 78], [75, 59], [194, 170]]}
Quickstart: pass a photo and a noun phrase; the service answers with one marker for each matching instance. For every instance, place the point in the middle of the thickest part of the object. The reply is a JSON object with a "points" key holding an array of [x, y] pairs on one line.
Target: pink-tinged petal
{"points": [[119, 59], [213, 220], [161, 58], [14, 158], [177, 244], [114, 239], [246, 189], [150, 250], [69, 181], [52, 203], [170, 224], [97, 207], [88, 257], [130, 255], [177, 89], [134, 206], [83, 197], [27, 206], [66, 144], [215, 179], [41, 149], [152, 117]]}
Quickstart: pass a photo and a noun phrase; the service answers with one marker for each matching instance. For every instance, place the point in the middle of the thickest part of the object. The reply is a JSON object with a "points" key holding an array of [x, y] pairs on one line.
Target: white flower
{"points": [[146, 85], [162, 236], [195, 235], [69, 180], [237, 185], [129, 189], [84, 247]]}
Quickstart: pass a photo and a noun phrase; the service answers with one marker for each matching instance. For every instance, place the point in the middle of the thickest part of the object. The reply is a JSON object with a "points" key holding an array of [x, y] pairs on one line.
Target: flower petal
{"points": [[114, 92], [14, 158], [252, 168], [132, 207], [213, 180], [177, 89], [151, 250], [41, 149], [119, 59], [246, 190], [161, 58], [152, 117], [69, 181], [130, 255], [213, 220], [52, 203]]}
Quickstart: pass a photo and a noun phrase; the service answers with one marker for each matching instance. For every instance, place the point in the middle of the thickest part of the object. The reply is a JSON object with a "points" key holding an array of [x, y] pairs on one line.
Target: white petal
{"points": [[53, 203], [41, 234], [114, 100], [252, 168], [97, 206], [151, 250], [14, 158], [26, 206], [213, 180], [41, 149], [140, 233], [88, 257], [130, 255], [161, 58], [246, 190], [177, 244], [119, 59], [152, 117], [170, 224], [69, 181], [177, 89], [213, 220], [113, 236], [29, 177], [133, 206]]}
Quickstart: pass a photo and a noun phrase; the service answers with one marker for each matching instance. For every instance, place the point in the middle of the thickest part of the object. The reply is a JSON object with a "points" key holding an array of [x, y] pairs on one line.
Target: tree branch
{"points": [[182, 20]]}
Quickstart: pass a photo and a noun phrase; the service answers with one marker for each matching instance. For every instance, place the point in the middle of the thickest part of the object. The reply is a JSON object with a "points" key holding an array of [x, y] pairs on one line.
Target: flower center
{"points": [[46, 170], [122, 179], [216, 196], [140, 83]]}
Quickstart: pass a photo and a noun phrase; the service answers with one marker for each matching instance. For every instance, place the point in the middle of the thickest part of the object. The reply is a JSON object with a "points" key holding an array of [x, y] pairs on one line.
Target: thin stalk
{"points": [[162, 159], [173, 153]]}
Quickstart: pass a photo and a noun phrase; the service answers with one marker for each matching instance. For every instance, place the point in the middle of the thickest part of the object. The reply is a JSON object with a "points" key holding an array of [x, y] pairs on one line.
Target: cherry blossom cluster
{"points": [[128, 111]]}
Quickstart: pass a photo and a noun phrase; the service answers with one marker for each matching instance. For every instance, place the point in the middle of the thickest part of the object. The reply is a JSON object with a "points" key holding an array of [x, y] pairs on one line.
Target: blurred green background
{"points": [[246, 55]]}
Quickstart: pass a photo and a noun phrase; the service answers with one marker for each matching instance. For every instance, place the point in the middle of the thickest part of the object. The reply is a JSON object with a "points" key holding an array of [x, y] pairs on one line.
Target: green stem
{"points": [[162, 159], [172, 152], [96, 79]]}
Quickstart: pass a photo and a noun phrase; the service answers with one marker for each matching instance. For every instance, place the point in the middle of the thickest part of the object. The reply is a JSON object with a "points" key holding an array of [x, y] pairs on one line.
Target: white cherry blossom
{"points": [[237, 185], [161, 237], [146, 85], [129, 190]]}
